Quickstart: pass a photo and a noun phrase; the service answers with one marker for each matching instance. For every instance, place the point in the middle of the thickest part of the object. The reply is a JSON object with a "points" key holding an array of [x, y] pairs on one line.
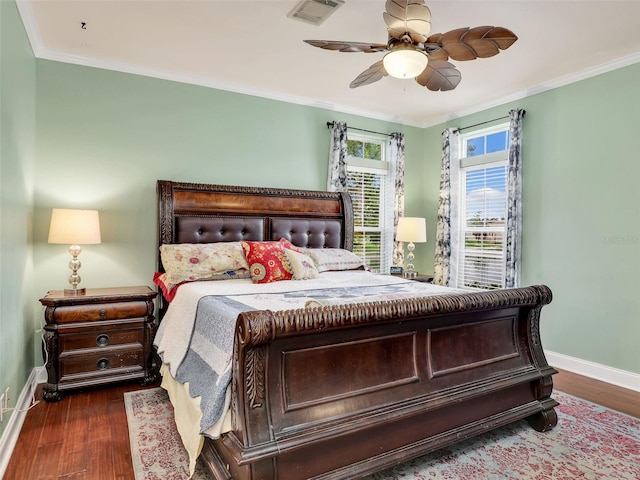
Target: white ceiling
{"points": [[253, 47]]}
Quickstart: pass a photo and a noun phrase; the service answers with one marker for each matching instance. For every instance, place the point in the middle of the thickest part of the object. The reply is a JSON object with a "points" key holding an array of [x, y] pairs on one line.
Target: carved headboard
{"points": [[201, 213]]}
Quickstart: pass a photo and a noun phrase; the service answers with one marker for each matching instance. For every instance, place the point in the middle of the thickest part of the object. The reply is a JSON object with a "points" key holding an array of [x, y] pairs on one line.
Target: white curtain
{"points": [[514, 201], [337, 178], [396, 161], [337, 175], [445, 261], [443, 266]]}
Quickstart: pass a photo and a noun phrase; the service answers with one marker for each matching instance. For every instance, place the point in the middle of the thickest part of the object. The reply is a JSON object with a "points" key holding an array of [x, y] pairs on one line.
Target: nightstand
{"points": [[418, 278], [102, 337], [423, 278]]}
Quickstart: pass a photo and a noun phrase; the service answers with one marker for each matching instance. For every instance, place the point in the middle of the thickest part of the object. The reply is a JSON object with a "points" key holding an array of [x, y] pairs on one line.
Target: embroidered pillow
{"points": [[302, 265], [169, 290], [267, 261], [187, 262], [327, 259]]}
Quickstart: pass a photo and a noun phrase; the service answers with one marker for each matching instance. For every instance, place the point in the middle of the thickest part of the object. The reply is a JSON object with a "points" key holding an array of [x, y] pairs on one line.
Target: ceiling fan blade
{"points": [[408, 17], [452, 42], [471, 43], [483, 48], [348, 46], [439, 54], [439, 76], [501, 36], [372, 74], [434, 48]]}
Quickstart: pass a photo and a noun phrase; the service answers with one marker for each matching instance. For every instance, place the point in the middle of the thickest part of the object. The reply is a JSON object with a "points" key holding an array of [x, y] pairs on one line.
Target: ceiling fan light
{"points": [[405, 62]]}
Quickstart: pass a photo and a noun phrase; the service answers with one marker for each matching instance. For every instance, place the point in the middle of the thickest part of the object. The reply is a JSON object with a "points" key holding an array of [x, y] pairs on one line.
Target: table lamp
{"points": [[412, 230], [74, 227]]}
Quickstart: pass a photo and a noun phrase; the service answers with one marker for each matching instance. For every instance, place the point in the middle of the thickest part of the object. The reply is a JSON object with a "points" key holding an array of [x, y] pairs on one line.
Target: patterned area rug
{"points": [[590, 442]]}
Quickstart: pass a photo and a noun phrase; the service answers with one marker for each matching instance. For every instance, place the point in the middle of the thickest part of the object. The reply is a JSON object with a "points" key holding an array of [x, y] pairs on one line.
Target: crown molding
{"points": [[28, 19], [46, 54], [544, 87], [30, 25]]}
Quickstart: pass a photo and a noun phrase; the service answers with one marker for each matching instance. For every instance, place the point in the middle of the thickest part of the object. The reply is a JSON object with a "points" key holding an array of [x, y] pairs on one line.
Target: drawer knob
{"points": [[102, 364], [102, 312], [102, 340]]}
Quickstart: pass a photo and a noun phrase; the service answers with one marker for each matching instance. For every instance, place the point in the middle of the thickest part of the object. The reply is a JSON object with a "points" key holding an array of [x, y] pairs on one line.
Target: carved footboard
{"points": [[344, 391]]}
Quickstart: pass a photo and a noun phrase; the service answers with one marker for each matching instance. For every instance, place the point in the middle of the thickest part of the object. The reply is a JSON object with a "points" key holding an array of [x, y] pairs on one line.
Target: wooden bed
{"points": [[341, 392]]}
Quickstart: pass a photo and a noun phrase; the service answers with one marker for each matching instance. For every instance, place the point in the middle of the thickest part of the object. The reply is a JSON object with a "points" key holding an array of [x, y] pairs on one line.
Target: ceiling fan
{"points": [[413, 53]]}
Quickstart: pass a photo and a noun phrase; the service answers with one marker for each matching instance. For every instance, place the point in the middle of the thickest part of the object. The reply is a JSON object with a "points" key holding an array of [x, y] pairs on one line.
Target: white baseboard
{"points": [[621, 378], [11, 433]]}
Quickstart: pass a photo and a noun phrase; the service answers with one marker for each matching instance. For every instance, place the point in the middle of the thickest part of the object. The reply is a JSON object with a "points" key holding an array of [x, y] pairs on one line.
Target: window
{"points": [[367, 183], [482, 211]]}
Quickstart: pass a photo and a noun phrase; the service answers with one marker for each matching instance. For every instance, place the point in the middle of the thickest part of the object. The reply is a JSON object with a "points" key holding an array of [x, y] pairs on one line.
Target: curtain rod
{"points": [[331, 124], [488, 121]]}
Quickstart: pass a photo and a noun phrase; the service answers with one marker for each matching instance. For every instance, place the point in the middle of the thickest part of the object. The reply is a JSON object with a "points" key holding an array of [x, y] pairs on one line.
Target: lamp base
{"points": [[74, 292], [410, 271]]}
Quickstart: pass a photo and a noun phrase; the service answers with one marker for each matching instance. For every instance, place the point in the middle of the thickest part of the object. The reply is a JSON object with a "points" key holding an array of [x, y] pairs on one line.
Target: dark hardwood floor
{"points": [[602, 393], [85, 435]]}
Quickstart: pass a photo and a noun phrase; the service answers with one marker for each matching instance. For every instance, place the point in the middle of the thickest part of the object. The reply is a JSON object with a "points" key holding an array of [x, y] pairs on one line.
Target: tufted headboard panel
{"points": [[198, 229], [311, 233], [202, 213]]}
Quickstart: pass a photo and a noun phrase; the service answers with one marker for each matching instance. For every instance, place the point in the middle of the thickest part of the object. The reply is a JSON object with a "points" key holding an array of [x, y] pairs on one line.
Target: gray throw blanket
{"points": [[207, 365]]}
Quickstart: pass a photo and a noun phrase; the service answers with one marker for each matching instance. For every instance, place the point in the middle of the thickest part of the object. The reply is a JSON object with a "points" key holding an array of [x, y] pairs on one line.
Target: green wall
{"points": [[17, 145], [581, 231], [104, 138]]}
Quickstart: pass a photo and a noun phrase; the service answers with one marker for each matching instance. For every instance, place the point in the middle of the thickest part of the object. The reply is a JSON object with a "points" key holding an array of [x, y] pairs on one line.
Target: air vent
{"points": [[314, 11]]}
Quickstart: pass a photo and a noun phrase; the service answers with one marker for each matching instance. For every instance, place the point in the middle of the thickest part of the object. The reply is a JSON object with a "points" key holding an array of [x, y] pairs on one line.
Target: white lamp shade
{"points": [[74, 227], [411, 229], [405, 63]]}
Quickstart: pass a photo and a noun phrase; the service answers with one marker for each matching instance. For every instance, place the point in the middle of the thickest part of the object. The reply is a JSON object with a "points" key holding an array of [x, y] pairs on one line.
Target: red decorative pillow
{"points": [[289, 246], [267, 262]]}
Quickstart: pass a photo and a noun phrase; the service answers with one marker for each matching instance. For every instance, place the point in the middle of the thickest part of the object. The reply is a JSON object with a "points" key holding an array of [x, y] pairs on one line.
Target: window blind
{"points": [[367, 190], [482, 208], [484, 212]]}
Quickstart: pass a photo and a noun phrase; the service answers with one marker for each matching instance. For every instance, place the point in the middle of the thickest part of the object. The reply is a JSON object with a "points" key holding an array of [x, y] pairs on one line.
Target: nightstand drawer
{"points": [[103, 311], [72, 365], [101, 338]]}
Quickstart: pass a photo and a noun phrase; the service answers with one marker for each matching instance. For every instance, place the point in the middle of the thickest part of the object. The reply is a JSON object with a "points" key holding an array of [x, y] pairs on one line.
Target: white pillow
{"points": [[302, 265], [327, 259]]}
